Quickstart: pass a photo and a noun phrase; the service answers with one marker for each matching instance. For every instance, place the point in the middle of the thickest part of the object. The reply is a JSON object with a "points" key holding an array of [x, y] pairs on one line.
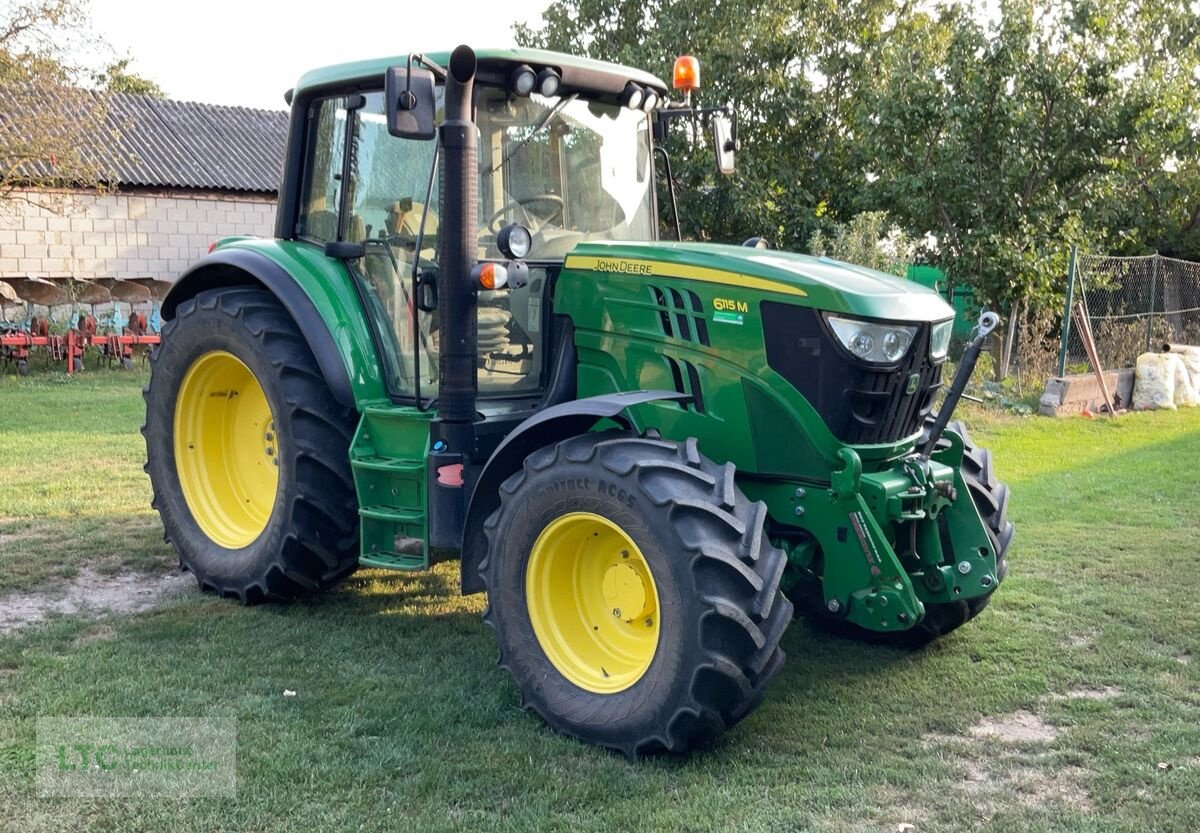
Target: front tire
{"points": [[248, 451], [634, 595]]}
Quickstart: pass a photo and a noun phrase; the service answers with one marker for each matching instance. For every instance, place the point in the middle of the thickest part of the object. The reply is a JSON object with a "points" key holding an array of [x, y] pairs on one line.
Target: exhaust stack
{"points": [[452, 435]]}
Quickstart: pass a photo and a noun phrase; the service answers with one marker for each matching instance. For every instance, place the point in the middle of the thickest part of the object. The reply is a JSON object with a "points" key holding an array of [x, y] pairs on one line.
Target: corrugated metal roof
{"points": [[174, 144]]}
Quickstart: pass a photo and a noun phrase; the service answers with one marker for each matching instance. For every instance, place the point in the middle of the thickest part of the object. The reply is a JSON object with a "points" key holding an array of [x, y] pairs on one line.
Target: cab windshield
{"points": [[569, 169]]}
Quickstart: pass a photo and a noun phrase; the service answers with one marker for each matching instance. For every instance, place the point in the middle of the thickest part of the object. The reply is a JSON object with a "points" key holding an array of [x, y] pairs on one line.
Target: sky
{"points": [[249, 53]]}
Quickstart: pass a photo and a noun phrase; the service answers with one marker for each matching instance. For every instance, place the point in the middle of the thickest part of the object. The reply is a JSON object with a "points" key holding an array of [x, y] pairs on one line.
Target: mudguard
{"points": [[550, 426], [242, 267]]}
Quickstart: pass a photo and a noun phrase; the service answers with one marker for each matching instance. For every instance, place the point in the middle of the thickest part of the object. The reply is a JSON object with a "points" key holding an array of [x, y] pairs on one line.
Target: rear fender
{"points": [[550, 426], [316, 292]]}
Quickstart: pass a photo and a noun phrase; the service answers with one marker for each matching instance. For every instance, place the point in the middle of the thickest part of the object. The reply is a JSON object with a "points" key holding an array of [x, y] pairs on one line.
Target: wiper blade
{"points": [[537, 128]]}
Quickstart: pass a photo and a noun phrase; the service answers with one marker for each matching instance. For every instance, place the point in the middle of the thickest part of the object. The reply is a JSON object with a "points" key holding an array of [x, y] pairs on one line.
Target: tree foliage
{"points": [[996, 139], [1009, 139], [116, 78], [867, 239], [791, 68], [52, 107]]}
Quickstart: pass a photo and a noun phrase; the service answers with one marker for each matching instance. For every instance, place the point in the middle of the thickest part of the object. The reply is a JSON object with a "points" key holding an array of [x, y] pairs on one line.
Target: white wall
{"points": [[123, 235]]}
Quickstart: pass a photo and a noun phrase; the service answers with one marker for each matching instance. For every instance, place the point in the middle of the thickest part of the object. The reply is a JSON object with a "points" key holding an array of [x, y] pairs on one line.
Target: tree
{"points": [[868, 239], [999, 138], [1013, 138], [49, 118], [792, 69], [116, 78]]}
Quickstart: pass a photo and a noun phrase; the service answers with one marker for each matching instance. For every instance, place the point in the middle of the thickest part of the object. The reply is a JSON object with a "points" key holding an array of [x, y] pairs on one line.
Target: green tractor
{"points": [[465, 341]]}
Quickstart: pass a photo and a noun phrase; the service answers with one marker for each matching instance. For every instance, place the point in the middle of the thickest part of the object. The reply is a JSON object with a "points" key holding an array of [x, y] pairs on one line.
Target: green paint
{"points": [[329, 285]]}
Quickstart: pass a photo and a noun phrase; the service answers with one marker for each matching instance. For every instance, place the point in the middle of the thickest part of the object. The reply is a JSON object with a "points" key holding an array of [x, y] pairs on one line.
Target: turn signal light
{"points": [[687, 74], [493, 276]]}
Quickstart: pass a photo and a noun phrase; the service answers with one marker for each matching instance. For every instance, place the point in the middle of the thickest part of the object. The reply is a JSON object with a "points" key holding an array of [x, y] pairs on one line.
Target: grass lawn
{"points": [[1073, 703]]}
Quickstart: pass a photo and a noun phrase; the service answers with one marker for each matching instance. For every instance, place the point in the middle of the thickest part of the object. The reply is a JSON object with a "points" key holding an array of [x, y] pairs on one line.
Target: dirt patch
{"points": [[1018, 727], [992, 780], [1104, 692], [92, 594], [1185, 658], [96, 633], [1082, 641], [1038, 788]]}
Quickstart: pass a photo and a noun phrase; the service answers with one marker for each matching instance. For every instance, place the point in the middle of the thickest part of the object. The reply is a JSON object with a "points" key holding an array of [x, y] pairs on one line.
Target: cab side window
{"points": [[320, 194]]}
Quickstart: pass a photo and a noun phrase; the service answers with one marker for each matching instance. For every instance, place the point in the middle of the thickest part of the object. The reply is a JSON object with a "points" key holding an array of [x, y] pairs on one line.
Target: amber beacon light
{"points": [[687, 74]]}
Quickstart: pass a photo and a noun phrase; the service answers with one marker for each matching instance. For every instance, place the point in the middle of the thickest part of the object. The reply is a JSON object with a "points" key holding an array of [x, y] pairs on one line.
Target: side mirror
{"points": [[723, 143], [411, 103]]}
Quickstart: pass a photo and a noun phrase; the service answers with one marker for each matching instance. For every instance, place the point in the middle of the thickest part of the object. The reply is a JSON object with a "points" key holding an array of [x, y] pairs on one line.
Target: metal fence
{"points": [[1134, 304]]}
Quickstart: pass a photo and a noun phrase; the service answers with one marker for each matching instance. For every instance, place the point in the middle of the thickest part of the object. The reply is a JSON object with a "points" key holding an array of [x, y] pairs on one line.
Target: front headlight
{"points": [[939, 339], [872, 342]]}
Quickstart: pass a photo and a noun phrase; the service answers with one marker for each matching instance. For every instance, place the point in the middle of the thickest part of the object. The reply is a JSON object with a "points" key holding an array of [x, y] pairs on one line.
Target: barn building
{"points": [[183, 175]]}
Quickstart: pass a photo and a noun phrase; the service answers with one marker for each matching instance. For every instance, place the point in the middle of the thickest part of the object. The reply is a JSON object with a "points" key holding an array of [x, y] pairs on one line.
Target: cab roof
{"points": [[495, 67]]}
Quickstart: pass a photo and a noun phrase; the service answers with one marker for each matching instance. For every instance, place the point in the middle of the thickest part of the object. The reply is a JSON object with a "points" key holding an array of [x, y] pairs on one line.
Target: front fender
{"points": [[550, 426], [319, 294]]}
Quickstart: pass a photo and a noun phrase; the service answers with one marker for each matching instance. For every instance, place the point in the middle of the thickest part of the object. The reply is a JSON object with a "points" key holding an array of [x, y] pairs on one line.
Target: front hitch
{"points": [[988, 321]]}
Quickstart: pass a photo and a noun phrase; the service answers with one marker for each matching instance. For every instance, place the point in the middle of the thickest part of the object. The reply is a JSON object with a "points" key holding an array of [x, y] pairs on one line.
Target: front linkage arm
{"points": [[988, 321]]}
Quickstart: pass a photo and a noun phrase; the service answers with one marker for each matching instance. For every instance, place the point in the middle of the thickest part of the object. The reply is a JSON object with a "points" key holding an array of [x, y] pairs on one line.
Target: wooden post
{"points": [[1089, 345], [1066, 325]]}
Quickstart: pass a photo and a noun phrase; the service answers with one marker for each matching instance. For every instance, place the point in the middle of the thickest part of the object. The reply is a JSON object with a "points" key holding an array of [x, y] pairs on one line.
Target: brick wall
{"points": [[123, 235]]}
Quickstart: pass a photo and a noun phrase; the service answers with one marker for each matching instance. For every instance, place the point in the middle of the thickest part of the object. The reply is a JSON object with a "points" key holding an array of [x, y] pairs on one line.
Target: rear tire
{"points": [[991, 499], [709, 584], [300, 538]]}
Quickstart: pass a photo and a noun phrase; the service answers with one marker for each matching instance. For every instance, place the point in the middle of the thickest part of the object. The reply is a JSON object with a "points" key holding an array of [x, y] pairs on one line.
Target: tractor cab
{"points": [[562, 152]]}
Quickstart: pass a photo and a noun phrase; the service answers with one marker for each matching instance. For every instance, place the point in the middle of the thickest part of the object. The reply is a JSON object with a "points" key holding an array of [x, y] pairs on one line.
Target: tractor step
{"points": [[394, 561], [390, 465], [382, 528], [390, 478]]}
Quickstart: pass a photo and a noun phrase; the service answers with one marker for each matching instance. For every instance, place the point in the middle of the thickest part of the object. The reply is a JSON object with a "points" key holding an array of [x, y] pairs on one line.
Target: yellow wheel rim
{"points": [[226, 452], [592, 602]]}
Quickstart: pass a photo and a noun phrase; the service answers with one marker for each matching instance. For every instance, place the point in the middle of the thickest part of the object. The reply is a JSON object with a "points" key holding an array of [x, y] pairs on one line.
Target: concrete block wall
{"points": [[123, 234]]}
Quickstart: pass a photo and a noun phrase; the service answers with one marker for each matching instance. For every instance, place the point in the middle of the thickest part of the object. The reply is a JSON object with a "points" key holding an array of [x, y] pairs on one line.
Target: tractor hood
{"points": [[821, 282]]}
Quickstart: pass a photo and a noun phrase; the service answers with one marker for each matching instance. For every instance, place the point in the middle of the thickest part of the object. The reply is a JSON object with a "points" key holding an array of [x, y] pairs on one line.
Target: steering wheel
{"points": [[550, 199]]}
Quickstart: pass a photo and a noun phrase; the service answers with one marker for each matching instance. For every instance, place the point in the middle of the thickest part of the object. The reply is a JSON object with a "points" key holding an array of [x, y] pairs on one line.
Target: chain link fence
{"points": [[1133, 304]]}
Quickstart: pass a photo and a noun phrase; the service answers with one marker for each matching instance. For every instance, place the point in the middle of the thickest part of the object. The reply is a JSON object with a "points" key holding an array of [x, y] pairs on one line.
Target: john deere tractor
{"points": [[466, 341]]}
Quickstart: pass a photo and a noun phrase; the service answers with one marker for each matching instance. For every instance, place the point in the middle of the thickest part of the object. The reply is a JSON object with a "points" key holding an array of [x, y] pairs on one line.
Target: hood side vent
{"points": [[680, 314]]}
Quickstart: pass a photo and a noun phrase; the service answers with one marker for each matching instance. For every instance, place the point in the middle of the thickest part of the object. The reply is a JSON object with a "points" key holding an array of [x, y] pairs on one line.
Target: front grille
{"points": [[861, 405]]}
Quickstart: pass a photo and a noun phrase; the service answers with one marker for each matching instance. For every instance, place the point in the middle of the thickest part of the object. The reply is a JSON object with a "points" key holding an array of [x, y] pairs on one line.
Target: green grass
{"points": [[403, 722], [72, 490]]}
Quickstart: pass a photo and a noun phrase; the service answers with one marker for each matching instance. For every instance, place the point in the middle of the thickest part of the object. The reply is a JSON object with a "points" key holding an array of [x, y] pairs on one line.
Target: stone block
{"points": [[1072, 394]]}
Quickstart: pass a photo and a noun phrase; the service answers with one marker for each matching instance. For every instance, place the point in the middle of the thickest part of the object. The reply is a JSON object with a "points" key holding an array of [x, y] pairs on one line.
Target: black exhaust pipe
{"points": [[457, 232], [452, 436]]}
